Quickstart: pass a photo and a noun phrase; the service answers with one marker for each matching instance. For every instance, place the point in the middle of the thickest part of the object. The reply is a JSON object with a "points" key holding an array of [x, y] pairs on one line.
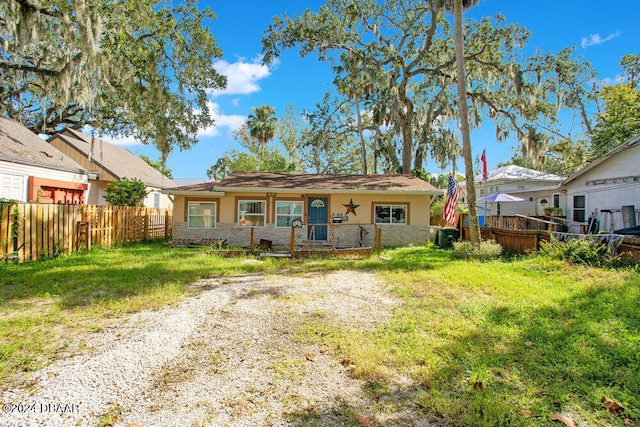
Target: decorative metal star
{"points": [[351, 208]]}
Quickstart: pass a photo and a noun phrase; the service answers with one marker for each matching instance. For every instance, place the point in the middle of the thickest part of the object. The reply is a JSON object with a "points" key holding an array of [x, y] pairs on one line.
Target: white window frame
{"points": [[8, 182], [215, 215], [391, 207], [263, 214], [290, 215]]}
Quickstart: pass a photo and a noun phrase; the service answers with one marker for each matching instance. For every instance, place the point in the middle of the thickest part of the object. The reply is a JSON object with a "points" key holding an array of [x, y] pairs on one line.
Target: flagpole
{"points": [[485, 202], [485, 177]]}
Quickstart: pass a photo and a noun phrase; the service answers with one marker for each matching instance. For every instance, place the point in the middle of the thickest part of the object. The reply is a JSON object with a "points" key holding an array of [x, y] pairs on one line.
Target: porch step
{"points": [[275, 255]]}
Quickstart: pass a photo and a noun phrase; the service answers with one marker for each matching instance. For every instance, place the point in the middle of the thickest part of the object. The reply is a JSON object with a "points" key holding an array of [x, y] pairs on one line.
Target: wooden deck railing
{"points": [[520, 222]]}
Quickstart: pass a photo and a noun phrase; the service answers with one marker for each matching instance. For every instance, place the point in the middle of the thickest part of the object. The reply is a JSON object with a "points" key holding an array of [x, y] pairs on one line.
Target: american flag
{"points": [[485, 174], [453, 194]]}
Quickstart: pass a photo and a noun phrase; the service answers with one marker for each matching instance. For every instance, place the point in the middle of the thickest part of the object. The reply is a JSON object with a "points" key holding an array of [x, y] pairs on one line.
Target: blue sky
{"points": [[603, 33]]}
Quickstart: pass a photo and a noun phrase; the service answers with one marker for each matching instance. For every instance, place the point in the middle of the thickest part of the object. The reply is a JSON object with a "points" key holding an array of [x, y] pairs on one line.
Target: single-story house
{"points": [[271, 203], [33, 170], [539, 190], [608, 189], [110, 163]]}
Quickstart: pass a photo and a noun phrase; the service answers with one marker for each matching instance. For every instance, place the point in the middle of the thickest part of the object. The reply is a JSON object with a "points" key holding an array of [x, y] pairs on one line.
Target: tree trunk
{"points": [[407, 144], [363, 145], [474, 228]]}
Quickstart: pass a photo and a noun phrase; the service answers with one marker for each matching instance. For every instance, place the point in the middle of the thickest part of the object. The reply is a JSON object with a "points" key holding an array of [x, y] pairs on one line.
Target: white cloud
{"points": [[595, 39], [232, 122], [620, 78], [242, 76]]}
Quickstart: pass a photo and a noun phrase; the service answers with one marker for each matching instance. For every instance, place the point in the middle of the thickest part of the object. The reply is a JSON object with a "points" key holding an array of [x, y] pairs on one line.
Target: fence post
{"points": [[146, 225], [292, 242], [166, 224], [333, 239]]}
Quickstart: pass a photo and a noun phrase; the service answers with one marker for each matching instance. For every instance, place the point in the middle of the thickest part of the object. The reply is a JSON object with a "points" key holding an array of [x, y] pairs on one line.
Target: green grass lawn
{"points": [[507, 342]]}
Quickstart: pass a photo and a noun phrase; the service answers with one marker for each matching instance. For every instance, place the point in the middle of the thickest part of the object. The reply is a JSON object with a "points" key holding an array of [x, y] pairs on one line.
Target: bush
{"points": [[126, 192], [488, 249], [585, 251]]}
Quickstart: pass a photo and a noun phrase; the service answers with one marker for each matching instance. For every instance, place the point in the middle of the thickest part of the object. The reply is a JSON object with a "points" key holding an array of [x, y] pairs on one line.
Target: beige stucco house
{"points": [[271, 203], [109, 163]]}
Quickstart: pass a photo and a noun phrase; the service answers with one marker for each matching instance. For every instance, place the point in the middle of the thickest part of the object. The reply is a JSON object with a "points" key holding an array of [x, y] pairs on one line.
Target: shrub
{"points": [[126, 192], [487, 249], [585, 251]]}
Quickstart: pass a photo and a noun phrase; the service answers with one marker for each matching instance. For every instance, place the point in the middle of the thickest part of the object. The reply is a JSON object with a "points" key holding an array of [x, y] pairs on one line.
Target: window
{"points": [[202, 215], [156, 200], [390, 214], [286, 212], [12, 187], [252, 213], [579, 208], [556, 200]]}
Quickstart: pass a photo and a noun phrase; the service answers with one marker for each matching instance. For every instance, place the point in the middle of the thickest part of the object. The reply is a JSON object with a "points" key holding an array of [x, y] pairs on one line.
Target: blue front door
{"points": [[318, 210]]}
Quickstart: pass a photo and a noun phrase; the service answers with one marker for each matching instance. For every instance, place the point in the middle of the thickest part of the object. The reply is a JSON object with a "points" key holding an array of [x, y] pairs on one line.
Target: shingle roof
{"points": [[119, 162], [19, 145], [291, 181]]}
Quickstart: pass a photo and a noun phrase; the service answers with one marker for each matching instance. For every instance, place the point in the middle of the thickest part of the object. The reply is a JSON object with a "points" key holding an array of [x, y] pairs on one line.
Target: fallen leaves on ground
{"points": [[613, 406], [563, 419], [364, 421]]}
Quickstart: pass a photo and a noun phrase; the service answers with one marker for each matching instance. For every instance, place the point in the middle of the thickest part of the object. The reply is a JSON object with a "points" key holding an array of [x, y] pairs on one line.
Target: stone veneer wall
{"points": [[404, 235], [345, 235]]}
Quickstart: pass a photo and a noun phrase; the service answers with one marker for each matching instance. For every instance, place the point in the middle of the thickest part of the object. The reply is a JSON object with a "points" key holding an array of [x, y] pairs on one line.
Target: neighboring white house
{"points": [[111, 163], [538, 189], [608, 188], [33, 170]]}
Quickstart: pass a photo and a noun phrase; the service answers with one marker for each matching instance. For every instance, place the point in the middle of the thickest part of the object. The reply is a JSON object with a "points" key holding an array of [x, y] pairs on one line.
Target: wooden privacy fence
{"points": [[31, 231], [515, 240]]}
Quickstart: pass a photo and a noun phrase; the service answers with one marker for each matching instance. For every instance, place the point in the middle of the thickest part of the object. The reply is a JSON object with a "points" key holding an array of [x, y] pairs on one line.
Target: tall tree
{"points": [[254, 157], [631, 65], [352, 81], [474, 227], [620, 119], [330, 141], [390, 38], [262, 125], [139, 68], [404, 50]]}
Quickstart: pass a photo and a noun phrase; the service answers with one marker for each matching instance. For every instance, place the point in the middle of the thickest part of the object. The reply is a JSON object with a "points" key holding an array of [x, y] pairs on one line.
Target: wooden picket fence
{"points": [[30, 231]]}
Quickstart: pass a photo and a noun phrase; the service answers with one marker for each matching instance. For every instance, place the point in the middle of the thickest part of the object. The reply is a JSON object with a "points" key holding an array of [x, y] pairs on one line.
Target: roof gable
{"points": [[628, 144], [19, 145], [120, 162]]}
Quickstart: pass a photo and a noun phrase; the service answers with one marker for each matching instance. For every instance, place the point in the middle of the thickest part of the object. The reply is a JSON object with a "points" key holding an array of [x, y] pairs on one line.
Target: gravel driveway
{"points": [[227, 356]]}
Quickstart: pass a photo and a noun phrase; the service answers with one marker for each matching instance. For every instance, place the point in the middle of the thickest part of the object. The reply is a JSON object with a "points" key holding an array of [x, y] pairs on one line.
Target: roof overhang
{"points": [[324, 191], [43, 165], [198, 193]]}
